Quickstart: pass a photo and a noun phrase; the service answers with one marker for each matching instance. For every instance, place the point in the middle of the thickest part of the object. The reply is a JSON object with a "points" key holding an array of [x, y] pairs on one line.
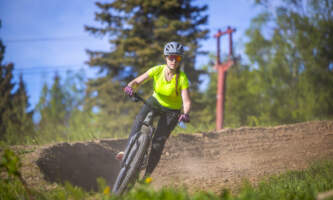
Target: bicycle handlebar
{"points": [[137, 98]]}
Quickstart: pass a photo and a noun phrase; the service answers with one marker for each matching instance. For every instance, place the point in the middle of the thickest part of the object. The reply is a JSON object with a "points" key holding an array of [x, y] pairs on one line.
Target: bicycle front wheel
{"points": [[131, 167]]}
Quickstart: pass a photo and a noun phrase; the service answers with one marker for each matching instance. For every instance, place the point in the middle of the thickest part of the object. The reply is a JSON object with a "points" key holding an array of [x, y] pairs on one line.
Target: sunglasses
{"points": [[174, 57]]}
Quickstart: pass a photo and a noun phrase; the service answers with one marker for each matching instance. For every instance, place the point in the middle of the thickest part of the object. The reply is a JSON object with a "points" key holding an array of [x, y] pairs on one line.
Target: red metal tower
{"points": [[221, 70]]}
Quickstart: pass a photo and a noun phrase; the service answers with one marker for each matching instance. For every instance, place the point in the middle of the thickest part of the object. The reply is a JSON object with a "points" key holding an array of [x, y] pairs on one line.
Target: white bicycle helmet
{"points": [[173, 48]]}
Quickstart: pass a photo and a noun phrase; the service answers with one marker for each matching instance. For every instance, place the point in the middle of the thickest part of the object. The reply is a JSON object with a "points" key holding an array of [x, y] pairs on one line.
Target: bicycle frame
{"points": [[147, 123], [136, 153]]}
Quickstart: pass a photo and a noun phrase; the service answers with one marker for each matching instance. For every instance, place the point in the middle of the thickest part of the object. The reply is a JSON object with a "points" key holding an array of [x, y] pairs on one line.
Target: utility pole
{"points": [[221, 70]]}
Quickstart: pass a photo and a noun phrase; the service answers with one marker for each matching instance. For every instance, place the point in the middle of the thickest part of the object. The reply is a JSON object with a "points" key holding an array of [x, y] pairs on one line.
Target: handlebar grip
{"points": [[135, 98]]}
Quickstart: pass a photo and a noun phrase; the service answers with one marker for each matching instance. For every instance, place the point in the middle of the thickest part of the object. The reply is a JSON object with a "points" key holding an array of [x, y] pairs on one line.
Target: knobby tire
{"points": [[131, 166]]}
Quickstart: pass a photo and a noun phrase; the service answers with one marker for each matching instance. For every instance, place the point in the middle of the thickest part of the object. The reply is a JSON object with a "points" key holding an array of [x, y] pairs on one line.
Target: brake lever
{"points": [[182, 125]]}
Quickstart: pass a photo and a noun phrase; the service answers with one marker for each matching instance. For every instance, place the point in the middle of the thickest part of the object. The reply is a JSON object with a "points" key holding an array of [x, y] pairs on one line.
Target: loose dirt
{"points": [[201, 161]]}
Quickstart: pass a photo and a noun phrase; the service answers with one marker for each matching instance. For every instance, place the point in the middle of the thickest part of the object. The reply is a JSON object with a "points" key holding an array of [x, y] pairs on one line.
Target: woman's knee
{"points": [[158, 144]]}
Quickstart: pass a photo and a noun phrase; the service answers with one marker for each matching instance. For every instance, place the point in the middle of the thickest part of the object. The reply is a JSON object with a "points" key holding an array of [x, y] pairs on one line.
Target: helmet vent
{"points": [[173, 48]]}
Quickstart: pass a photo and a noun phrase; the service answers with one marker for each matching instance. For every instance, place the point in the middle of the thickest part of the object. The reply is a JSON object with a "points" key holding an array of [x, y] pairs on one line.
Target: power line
{"points": [[43, 72], [49, 39], [45, 67], [40, 72], [48, 69]]}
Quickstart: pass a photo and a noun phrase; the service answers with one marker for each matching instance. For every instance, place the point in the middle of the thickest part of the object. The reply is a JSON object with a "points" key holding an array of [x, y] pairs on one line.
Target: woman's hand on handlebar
{"points": [[129, 91], [184, 118]]}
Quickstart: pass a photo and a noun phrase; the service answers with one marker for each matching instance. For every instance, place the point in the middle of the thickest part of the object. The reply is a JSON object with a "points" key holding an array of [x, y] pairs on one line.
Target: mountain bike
{"points": [[136, 153]]}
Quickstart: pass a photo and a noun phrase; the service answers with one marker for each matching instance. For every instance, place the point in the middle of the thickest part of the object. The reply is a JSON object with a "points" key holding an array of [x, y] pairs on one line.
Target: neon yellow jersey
{"points": [[165, 91]]}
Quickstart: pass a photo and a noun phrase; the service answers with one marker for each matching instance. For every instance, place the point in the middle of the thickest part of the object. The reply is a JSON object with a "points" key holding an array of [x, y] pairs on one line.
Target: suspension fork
{"points": [[146, 124]]}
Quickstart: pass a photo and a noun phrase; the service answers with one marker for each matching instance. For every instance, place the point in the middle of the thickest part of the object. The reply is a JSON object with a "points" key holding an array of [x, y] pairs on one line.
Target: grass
{"points": [[191, 128], [305, 184], [45, 137]]}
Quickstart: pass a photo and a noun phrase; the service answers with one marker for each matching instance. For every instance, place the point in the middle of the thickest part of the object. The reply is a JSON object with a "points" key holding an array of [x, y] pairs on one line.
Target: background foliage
{"points": [[15, 119], [288, 77]]}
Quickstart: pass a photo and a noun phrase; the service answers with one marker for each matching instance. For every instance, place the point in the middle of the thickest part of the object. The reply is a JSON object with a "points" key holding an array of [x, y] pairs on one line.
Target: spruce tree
{"points": [[138, 31], [6, 89], [15, 120], [21, 123], [53, 112], [61, 111]]}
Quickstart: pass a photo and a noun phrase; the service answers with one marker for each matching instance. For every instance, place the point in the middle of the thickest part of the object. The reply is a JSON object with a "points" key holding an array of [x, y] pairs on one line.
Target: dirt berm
{"points": [[201, 161]]}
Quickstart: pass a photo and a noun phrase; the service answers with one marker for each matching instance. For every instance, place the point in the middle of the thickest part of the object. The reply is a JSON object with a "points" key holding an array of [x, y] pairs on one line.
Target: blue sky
{"points": [[42, 37]]}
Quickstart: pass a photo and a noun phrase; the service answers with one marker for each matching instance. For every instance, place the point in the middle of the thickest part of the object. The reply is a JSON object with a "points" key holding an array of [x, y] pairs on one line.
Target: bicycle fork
{"points": [[147, 128]]}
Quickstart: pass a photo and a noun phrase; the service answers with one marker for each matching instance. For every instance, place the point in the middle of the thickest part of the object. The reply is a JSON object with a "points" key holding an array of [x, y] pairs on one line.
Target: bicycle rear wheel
{"points": [[132, 163]]}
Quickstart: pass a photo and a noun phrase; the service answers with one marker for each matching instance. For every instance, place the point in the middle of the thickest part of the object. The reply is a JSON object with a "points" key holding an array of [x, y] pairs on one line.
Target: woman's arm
{"points": [[138, 80], [186, 101]]}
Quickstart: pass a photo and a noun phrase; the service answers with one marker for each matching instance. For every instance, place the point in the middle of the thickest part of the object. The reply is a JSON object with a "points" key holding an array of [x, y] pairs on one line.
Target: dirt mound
{"points": [[81, 163], [202, 161], [211, 161]]}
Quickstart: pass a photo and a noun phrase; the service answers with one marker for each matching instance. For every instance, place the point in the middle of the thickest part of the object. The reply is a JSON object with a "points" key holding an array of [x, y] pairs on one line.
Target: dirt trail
{"points": [[203, 161], [215, 160]]}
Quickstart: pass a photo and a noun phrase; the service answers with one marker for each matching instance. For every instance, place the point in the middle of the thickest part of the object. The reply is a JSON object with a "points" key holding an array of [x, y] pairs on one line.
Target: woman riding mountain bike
{"points": [[171, 93]]}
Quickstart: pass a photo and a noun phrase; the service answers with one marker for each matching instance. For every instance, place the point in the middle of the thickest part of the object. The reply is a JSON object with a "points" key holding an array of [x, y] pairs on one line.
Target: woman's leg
{"points": [[166, 124]]}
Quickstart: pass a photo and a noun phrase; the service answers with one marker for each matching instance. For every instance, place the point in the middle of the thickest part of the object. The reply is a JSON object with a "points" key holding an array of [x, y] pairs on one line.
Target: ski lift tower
{"points": [[221, 70]]}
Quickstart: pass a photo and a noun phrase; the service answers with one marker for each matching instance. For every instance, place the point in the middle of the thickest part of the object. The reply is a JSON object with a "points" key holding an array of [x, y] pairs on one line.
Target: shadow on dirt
{"points": [[81, 163]]}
